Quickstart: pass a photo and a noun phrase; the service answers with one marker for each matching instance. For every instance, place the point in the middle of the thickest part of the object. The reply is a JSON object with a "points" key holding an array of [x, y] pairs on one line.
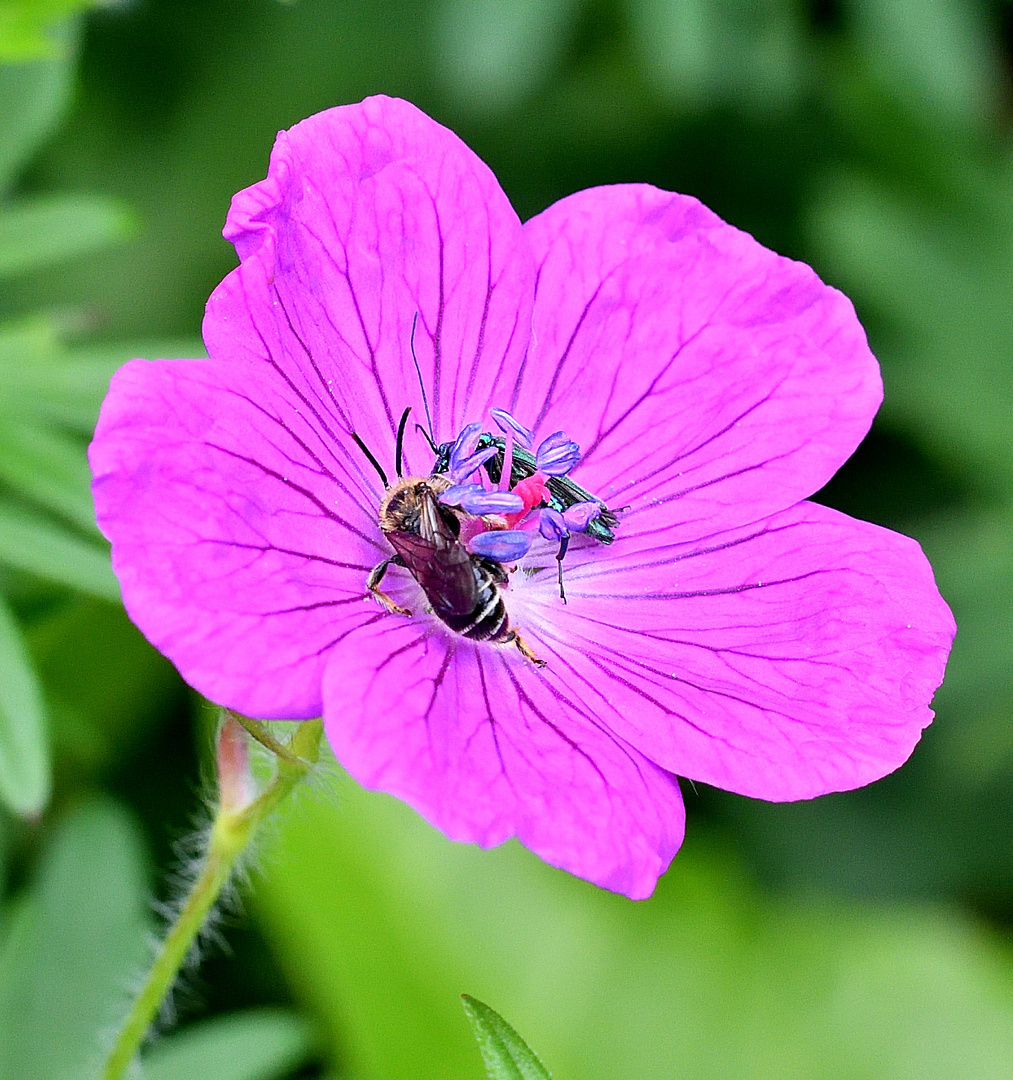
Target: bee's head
{"points": [[402, 503]]}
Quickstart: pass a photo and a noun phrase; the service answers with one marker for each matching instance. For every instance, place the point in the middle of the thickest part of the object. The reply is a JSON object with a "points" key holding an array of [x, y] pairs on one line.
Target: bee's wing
{"points": [[439, 562]]}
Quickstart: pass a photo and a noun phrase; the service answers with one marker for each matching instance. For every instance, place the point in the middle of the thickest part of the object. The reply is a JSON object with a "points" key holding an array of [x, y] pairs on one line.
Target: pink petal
{"points": [[705, 378], [371, 214], [478, 741], [710, 384], [781, 660], [242, 530]]}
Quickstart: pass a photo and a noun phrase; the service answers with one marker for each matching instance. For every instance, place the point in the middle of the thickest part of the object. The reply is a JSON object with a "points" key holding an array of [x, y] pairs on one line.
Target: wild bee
{"points": [[464, 590], [563, 492]]}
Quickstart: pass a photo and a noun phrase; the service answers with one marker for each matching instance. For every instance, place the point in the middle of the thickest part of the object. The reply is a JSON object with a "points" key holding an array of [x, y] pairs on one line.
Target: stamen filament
{"points": [[508, 461]]}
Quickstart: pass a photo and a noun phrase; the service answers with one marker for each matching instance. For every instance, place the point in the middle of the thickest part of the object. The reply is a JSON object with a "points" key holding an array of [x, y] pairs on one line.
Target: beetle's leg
{"points": [[373, 584], [564, 543]]}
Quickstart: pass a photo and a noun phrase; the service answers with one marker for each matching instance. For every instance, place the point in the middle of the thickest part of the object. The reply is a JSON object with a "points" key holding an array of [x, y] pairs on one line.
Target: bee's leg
{"points": [[373, 584], [525, 649]]}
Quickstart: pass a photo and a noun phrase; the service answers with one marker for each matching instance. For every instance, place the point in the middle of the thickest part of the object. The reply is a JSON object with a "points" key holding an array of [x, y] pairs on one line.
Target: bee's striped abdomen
{"points": [[488, 620]]}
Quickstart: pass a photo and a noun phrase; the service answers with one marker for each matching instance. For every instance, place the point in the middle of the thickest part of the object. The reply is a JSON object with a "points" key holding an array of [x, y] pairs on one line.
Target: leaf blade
{"points": [[25, 774], [35, 96], [36, 233], [506, 1055], [83, 940], [50, 468], [259, 1044], [30, 543], [27, 27], [41, 379]]}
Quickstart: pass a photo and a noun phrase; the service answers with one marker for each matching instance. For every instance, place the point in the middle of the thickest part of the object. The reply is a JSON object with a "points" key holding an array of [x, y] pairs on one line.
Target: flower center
{"points": [[525, 491]]}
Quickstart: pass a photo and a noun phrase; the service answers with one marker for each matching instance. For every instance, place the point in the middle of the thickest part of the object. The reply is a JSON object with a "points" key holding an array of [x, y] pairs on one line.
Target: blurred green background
{"points": [[865, 935]]}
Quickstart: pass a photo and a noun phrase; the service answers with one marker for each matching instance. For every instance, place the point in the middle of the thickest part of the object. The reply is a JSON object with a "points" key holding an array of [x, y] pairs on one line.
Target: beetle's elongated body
{"points": [[563, 492]]}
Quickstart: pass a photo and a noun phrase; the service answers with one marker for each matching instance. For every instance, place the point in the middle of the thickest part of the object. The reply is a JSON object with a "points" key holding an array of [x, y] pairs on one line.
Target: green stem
{"points": [[230, 834], [256, 730]]}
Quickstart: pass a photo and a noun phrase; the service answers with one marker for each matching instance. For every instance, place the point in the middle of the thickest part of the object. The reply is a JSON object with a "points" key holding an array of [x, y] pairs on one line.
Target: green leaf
{"points": [[68, 392], [506, 1055], [78, 945], [939, 55], [938, 272], [24, 745], [380, 921], [35, 233], [50, 467], [699, 53], [25, 343], [17, 931], [34, 97], [40, 378], [493, 55], [5, 844], [106, 687], [27, 27], [31, 543], [72, 391], [973, 560], [261, 1044]]}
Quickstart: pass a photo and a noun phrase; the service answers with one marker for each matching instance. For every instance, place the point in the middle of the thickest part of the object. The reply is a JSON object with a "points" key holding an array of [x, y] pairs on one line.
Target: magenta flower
{"points": [[691, 385]]}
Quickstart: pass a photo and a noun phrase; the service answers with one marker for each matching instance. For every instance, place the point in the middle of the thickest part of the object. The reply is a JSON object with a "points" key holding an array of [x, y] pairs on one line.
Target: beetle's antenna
{"points": [[372, 460], [418, 371], [399, 446], [429, 439]]}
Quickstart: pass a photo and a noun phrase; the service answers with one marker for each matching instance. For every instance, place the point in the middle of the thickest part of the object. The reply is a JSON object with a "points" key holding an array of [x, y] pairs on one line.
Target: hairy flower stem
{"points": [[236, 821]]}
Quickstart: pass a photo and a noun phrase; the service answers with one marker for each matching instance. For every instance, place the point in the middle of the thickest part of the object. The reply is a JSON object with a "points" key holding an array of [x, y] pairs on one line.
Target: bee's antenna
{"points": [[429, 439], [372, 460], [418, 371], [399, 446]]}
